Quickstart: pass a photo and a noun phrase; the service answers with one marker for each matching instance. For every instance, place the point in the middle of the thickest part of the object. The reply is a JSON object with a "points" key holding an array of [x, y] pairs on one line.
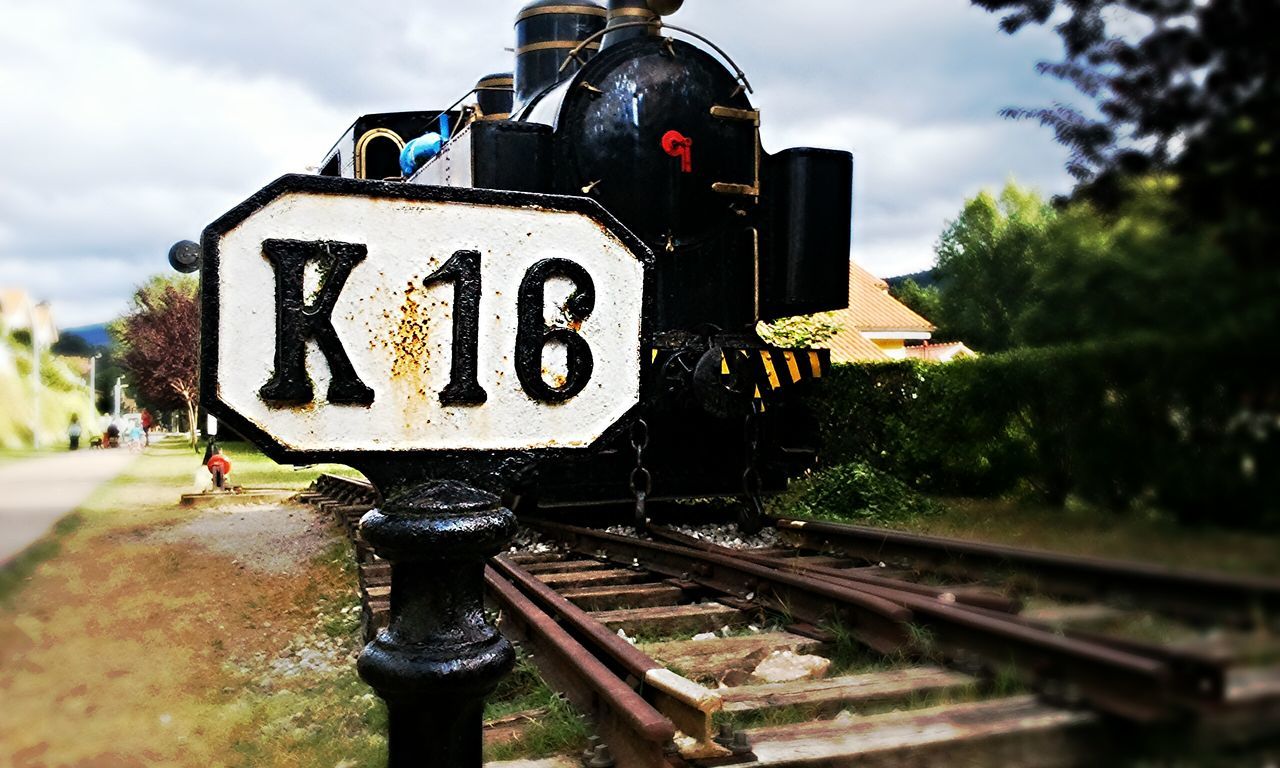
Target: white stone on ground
{"points": [[786, 667]]}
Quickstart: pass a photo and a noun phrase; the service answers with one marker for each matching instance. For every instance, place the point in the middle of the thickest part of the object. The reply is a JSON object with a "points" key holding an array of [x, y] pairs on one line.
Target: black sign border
{"points": [[497, 469]]}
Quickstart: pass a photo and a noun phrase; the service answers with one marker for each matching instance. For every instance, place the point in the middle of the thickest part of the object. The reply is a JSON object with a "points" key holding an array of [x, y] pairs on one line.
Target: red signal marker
{"points": [[676, 144]]}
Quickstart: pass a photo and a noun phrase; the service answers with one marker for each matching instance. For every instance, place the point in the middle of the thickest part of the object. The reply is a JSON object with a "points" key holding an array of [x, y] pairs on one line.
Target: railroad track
{"points": [[942, 652]]}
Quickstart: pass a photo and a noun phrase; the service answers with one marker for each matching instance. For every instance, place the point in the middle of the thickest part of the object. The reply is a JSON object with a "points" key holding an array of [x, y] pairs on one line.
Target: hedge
{"points": [[1191, 427]]}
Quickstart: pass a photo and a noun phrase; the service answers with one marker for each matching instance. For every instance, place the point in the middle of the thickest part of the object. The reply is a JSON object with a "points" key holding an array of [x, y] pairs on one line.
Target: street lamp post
{"points": [[35, 384], [119, 393], [93, 384]]}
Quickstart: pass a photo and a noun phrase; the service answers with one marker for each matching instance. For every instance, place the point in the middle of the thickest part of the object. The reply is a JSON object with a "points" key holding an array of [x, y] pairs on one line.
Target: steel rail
{"points": [[689, 705], [1198, 594], [636, 733], [1114, 680], [877, 622], [1199, 678], [345, 489], [980, 598]]}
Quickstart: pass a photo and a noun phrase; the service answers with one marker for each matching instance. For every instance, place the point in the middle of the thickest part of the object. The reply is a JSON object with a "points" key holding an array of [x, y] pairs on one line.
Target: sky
{"points": [[132, 124]]}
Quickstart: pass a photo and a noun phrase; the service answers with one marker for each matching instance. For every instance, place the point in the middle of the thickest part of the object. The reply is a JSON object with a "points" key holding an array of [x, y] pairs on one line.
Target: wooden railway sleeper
{"points": [[1199, 678], [877, 622], [1116, 681]]}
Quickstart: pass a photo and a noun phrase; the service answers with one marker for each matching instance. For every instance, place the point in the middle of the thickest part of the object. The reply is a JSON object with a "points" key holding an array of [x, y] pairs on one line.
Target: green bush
{"points": [[1191, 426], [853, 492], [937, 432]]}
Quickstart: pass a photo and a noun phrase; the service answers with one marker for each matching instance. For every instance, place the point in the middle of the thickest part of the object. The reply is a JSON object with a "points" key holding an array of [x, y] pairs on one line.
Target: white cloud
{"points": [[911, 178], [129, 125]]}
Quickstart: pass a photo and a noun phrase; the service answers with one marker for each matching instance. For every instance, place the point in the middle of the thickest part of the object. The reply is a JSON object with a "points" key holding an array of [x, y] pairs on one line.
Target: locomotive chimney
{"points": [[494, 96], [634, 11], [546, 31]]}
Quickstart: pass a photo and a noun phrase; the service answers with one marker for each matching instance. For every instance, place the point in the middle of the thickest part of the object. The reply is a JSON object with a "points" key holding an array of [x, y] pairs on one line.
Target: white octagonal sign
{"points": [[346, 317]]}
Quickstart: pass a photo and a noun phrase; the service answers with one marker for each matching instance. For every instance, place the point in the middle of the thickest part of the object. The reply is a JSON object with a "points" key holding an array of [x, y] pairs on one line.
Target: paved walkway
{"points": [[35, 493]]}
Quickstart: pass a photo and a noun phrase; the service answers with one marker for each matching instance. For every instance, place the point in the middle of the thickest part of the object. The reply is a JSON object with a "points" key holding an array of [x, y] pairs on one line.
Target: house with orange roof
{"points": [[875, 326], [940, 353], [18, 312]]}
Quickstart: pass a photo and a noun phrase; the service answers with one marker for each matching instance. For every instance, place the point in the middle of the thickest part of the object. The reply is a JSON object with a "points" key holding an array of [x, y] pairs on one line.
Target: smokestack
{"points": [[546, 31], [632, 11], [494, 96]]}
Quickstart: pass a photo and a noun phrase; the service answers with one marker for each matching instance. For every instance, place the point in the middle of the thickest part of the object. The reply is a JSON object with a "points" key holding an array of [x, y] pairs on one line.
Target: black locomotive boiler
{"points": [[613, 104]]}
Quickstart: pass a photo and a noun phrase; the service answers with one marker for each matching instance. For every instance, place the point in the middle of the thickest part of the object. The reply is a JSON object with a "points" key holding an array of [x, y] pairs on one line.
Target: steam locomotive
{"points": [[611, 104]]}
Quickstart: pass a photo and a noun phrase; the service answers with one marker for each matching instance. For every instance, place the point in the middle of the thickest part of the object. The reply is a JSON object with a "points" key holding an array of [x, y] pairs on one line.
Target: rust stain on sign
{"points": [[554, 378], [409, 341]]}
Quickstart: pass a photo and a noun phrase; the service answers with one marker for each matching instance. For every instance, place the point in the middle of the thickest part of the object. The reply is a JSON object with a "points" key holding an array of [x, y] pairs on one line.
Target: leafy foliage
{"points": [[987, 258], [1190, 426], [854, 492], [1189, 86], [159, 337], [800, 331], [1018, 272], [62, 394], [1112, 273], [924, 300]]}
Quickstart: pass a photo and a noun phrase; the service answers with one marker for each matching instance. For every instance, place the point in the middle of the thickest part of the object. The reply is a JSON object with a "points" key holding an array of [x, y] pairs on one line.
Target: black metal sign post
{"points": [[443, 342], [439, 658]]}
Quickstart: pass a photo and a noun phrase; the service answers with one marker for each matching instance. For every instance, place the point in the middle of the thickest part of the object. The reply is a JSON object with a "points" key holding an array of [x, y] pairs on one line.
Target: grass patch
{"points": [[19, 570], [558, 730], [253, 469], [853, 493], [561, 730], [773, 717], [331, 721], [117, 645], [849, 656], [1084, 529], [520, 691]]}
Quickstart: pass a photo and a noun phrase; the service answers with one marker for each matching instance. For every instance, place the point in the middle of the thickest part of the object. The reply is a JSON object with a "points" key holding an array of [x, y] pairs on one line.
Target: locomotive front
{"points": [[609, 103]]}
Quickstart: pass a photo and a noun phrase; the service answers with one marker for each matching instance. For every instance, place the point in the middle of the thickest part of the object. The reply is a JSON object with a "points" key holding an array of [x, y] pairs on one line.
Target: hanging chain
{"points": [[751, 483], [752, 517], [641, 478]]}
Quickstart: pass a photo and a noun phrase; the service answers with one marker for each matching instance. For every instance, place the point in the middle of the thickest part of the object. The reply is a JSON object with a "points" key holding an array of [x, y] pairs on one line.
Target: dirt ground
{"points": [[262, 537], [180, 637]]}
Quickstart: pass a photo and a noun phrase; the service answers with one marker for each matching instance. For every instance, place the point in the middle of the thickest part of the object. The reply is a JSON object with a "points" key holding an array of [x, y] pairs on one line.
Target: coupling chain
{"points": [[751, 482], [641, 478]]}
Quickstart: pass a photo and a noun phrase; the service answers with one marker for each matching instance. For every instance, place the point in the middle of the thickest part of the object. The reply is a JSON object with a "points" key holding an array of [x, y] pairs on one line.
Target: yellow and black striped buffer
{"points": [[771, 369], [775, 369]]}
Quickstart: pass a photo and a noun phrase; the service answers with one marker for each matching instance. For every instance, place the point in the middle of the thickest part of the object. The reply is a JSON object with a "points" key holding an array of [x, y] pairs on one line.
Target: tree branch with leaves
{"points": [[1188, 87], [160, 338]]}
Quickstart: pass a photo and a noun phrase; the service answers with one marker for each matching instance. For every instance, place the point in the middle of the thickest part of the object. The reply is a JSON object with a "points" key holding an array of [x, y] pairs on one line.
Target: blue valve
{"points": [[423, 148]]}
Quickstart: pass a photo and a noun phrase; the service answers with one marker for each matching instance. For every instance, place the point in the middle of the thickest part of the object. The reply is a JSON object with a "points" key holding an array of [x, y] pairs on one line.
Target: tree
{"points": [[924, 300], [71, 345], [1190, 87], [1015, 272], [159, 339], [986, 262], [1109, 273]]}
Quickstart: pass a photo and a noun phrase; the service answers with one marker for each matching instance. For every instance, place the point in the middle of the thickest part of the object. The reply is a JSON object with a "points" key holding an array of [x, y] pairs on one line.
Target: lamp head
{"points": [[184, 256]]}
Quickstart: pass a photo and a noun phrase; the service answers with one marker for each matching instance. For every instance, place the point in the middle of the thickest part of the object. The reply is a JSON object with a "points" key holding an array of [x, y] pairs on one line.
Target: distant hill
{"points": [[923, 279], [96, 335]]}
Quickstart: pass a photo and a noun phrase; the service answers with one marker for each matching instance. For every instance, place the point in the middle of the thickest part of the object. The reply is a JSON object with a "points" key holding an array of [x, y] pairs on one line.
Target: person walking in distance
{"points": [[74, 431]]}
